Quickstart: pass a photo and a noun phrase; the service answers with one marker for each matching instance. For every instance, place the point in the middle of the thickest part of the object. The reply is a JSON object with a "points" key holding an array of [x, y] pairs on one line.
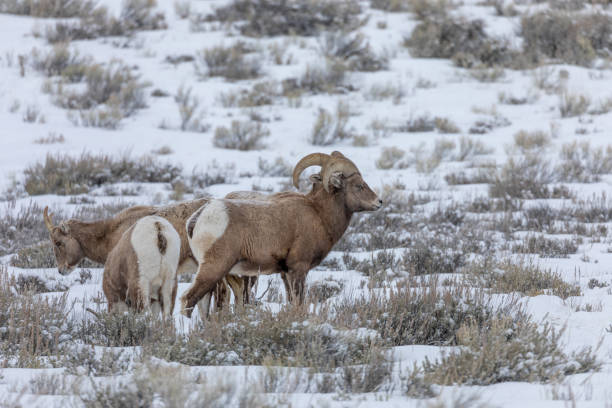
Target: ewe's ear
{"points": [[336, 180], [315, 178]]}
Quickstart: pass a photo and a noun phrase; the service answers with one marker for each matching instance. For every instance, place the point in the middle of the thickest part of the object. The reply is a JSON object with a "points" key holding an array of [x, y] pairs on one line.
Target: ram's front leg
{"points": [[209, 273]]}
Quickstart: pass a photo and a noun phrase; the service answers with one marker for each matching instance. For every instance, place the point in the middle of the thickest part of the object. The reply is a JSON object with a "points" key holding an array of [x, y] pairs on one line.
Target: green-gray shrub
{"points": [[571, 38], [298, 17], [241, 135], [65, 174], [507, 349], [465, 41], [232, 62]]}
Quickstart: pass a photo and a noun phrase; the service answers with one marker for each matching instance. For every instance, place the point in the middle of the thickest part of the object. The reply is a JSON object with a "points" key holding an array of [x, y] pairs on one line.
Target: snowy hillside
{"points": [[484, 280]]}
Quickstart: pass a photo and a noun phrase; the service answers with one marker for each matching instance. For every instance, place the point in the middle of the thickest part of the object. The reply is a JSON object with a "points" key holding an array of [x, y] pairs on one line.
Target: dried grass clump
{"points": [[96, 22], [329, 129], [424, 161], [432, 9], [509, 98], [507, 349], [487, 75], [329, 78], [525, 141], [84, 360], [445, 125], [21, 227], [48, 8], [525, 176], [388, 90], [353, 51], [421, 123], [425, 123], [416, 315], [583, 164], [392, 158], [290, 337], [122, 329], [443, 150], [394, 6], [33, 114], [546, 247], [479, 176], [32, 328], [65, 174], [428, 255], [111, 93], [520, 276], [61, 61], [322, 290], [245, 135], [138, 15], [187, 106], [295, 17], [173, 387], [470, 147], [51, 138], [230, 62], [262, 93], [278, 168], [571, 105], [570, 38], [35, 256], [488, 124]]}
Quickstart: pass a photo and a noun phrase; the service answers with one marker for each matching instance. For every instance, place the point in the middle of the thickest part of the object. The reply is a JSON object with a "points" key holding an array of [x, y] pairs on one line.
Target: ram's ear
{"points": [[336, 180], [64, 228], [315, 178]]}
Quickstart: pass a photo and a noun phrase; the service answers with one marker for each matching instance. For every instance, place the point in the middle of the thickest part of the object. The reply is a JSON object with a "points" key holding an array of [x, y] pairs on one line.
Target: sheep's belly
{"points": [[246, 269]]}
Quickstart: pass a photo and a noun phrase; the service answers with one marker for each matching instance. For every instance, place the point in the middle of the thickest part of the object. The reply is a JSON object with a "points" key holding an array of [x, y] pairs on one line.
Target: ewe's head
{"points": [[339, 174], [67, 250]]}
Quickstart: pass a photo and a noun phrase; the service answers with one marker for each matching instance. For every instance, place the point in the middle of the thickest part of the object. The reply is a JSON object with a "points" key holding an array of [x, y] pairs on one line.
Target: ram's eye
{"points": [[58, 244]]}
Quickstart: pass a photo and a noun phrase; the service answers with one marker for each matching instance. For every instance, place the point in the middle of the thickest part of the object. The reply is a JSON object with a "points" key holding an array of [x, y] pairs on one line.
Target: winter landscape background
{"points": [[483, 125]]}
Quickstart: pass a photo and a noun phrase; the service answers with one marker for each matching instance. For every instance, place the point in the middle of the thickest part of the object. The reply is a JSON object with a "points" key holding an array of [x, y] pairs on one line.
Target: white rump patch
{"points": [[210, 225], [156, 271]]}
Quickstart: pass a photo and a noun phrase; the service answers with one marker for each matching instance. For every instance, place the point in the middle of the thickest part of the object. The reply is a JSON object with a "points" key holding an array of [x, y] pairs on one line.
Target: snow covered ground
{"points": [[381, 105]]}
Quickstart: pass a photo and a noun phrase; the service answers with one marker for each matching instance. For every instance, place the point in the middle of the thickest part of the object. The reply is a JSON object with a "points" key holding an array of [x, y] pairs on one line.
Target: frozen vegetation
{"points": [[485, 126]]}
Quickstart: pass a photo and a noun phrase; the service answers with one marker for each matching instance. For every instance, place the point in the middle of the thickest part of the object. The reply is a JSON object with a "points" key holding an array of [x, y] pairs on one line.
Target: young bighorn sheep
{"points": [[289, 232], [140, 271], [74, 240]]}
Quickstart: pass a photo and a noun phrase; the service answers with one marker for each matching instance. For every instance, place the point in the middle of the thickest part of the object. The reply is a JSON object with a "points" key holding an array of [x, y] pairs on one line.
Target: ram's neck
{"points": [[333, 212]]}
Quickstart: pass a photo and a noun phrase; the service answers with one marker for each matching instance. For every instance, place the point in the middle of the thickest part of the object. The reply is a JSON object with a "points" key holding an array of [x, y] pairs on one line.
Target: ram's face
{"points": [[359, 196], [67, 250]]}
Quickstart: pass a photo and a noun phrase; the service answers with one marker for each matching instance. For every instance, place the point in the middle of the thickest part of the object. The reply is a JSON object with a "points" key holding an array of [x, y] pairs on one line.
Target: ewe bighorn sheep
{"points": [[140, 271], [288, 232], [74, 240]]}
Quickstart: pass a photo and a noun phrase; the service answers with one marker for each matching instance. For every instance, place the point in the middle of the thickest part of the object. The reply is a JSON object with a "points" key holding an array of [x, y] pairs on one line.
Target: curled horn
{"points": [[47, 218], [338, 163], [314, 159]]}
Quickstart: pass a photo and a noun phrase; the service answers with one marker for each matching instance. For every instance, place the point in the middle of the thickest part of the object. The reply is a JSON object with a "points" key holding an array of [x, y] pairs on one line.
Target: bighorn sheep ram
{"points": [[74, 240], [288, 232], [140, 271]]}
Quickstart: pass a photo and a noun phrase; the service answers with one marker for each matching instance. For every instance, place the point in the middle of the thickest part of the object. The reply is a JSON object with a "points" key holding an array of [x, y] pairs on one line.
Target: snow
{"points": [[455, 95]]}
